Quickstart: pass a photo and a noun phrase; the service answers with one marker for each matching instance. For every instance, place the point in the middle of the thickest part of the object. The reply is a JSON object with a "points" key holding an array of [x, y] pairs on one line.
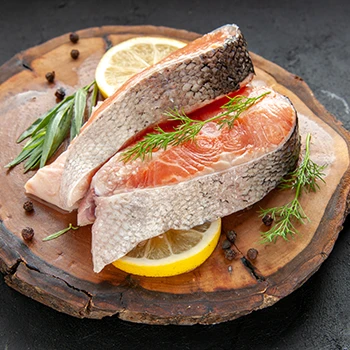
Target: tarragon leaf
{"points": [[44, 120], [78, 115], [56, 132], [93, 98], [50, 130]]}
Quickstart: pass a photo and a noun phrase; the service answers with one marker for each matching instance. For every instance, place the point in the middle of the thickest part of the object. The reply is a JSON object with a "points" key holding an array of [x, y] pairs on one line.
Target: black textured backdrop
{"points": [[308, 38]]}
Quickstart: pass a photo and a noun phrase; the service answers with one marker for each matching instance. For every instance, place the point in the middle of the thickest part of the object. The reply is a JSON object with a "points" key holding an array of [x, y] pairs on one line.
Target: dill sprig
{"points": [[188, 128], [303, 178], [48, 132]]}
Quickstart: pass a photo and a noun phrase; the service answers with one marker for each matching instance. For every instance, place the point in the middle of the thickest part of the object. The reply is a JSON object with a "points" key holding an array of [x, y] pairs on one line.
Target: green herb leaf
{"points": [[306, 174], [304, 177], [55, 133], [44, 120], [78, 115], [29, 132], [34, 159], [35, 142], [286, 218], [49, 131], [93, 98], [60, 233], [188, 128]]}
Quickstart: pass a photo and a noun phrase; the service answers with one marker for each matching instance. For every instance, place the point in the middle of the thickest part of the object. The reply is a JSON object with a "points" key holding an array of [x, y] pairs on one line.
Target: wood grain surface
{"points": [[59, 273]]}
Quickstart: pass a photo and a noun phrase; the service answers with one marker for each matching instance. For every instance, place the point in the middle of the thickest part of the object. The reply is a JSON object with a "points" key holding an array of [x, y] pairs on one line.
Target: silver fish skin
{"points": [[204, 70], [123, 220]]}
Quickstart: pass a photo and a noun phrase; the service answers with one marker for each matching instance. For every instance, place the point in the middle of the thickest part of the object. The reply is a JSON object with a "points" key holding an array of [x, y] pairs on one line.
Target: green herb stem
{"points": [[188, 128], [286, 217], [60, 233], [49, 131]]}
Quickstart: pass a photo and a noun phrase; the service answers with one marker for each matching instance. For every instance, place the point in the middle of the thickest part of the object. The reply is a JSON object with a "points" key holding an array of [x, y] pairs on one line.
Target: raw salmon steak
{"points": [[222, 171], [205, 69]]}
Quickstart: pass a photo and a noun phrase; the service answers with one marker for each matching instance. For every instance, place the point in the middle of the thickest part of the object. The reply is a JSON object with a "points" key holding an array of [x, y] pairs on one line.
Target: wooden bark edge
{"points": [[98, 306], [22, 60]]}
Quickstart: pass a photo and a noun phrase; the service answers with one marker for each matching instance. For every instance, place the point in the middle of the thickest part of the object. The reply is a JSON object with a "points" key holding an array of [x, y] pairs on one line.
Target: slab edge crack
{"points": [[250, 267]]}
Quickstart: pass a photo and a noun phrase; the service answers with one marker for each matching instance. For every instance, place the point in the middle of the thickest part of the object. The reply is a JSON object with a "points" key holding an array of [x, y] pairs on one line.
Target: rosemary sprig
{"points": [[188, 128], [304, 177], [60, 233], [48, 132]]}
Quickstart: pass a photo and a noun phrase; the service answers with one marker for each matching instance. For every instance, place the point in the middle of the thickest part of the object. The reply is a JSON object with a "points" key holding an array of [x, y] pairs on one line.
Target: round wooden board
{"points": [[59, 273]]}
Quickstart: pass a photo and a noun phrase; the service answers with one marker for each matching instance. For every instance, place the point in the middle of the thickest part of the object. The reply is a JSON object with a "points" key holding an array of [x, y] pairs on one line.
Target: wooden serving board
{"points": [[59, 273]]}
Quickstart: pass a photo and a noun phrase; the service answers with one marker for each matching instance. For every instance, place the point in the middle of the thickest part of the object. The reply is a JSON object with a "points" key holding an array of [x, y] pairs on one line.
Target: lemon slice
{"points": [[172, 253], [129, 57]]}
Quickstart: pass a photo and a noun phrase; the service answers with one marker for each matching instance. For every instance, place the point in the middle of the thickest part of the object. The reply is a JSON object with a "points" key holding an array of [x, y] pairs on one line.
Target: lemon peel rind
{"points": [[107, 89], [174, 265]]}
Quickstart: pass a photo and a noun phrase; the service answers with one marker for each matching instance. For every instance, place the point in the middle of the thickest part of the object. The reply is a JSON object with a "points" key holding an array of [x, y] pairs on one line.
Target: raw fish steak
{"points": [[205, 69], [222, 171]]}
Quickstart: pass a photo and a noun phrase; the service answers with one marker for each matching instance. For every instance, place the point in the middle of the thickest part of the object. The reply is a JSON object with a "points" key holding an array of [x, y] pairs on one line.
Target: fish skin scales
{"points": [[259, 128], [209, 67], [125, 219]]}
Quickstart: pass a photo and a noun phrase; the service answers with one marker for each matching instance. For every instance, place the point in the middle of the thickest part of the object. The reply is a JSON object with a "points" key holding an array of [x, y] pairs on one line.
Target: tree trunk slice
{"points": [[59, 273]]}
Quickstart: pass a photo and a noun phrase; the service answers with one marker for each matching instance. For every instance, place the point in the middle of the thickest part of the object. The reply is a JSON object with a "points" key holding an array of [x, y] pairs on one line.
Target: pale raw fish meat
{"points": [[46, 183], [223, 171], [205, 69]]}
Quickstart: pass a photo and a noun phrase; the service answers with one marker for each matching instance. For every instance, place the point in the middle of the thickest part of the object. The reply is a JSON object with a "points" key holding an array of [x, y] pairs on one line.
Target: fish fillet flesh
{"points": [[223, 171], [205, 69], [45, 184]]}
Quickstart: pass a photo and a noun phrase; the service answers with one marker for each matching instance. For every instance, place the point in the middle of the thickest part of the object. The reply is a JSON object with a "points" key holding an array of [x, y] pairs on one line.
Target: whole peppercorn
{"points": [[267, 220], [28, 206], [73, 37], [28, 233], [230, 254], [226, 244], [60, 94], [231, 236], [50, 76], [252, 254], [74, 54]]}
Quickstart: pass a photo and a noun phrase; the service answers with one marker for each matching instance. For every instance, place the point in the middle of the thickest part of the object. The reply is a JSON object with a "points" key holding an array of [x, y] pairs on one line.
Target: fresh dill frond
{"points": [[188, 128], [286, 217], [306, 174]]}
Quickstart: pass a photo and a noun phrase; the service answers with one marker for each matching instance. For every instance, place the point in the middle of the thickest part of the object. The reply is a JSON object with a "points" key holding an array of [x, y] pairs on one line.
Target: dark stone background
{"points": [[308, 38]]}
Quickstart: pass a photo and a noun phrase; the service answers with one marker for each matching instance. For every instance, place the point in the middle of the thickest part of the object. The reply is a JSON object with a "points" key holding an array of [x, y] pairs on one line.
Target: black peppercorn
{"points": [[28, 206], [252, 254], [73, 37], [226, 244], [60, 94], [267, 220], [230, 254], [231, 236], [50, 76], [74, 54], [28, 233]]}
